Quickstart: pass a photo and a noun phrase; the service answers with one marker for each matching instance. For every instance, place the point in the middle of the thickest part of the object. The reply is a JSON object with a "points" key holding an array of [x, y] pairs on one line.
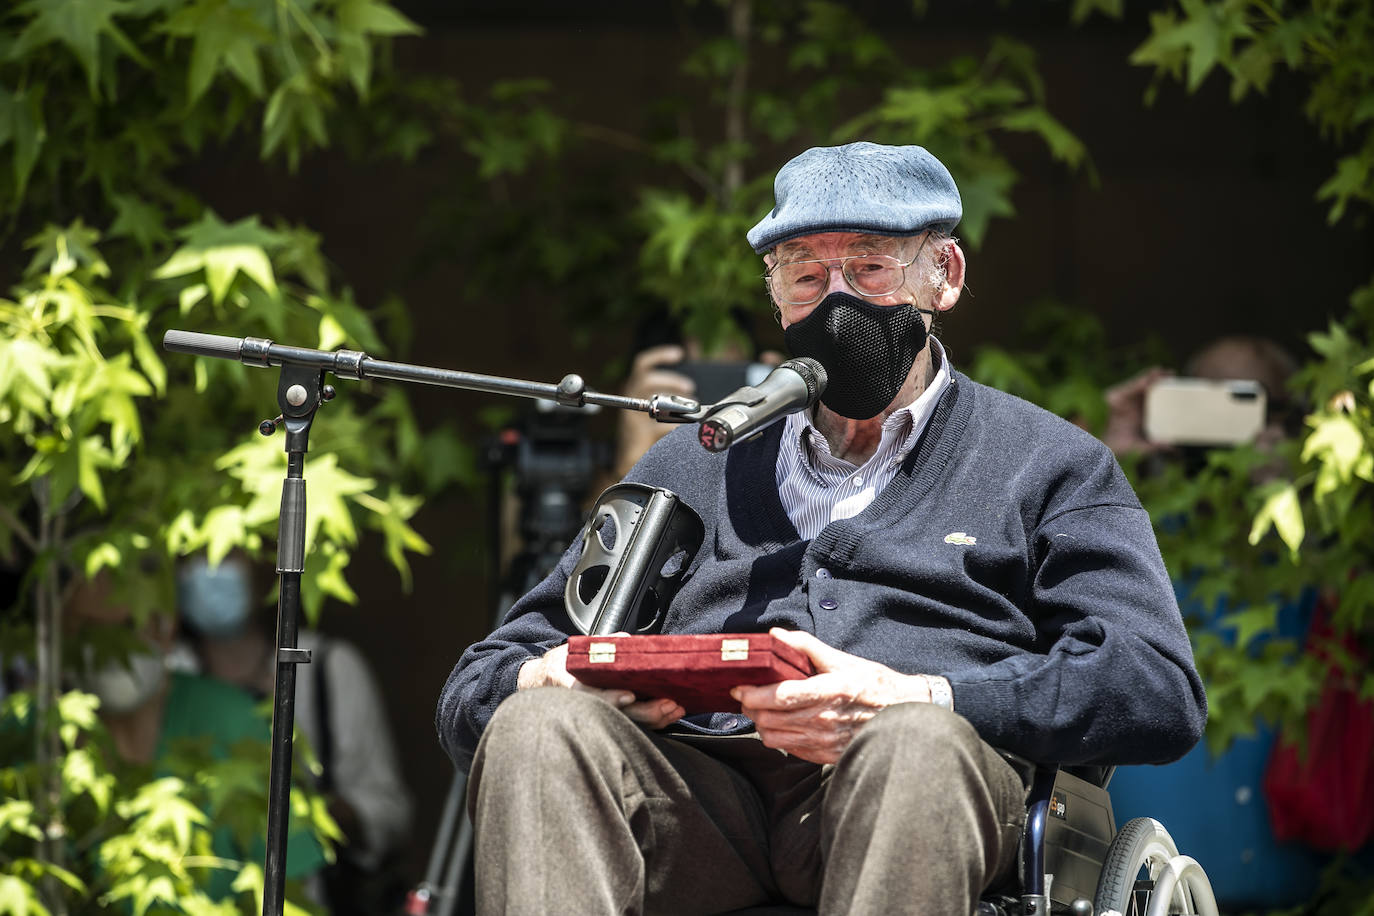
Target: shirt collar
{"points": [[903, 425]]}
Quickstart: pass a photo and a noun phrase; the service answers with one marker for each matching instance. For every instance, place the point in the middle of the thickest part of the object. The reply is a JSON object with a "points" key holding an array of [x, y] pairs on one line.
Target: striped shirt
{"points": [[817, 488]]}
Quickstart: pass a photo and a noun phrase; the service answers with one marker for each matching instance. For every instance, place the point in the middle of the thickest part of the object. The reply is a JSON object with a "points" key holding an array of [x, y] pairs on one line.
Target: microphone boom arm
{"points": [[571, 391]]}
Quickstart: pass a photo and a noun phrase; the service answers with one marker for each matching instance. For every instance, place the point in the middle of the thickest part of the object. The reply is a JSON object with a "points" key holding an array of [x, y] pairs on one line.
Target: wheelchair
{"points": [[1075, 861]]}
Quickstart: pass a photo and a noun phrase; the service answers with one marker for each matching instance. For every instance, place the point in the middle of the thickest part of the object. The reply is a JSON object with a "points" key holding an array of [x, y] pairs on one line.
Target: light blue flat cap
{"points": [[859, 187]]}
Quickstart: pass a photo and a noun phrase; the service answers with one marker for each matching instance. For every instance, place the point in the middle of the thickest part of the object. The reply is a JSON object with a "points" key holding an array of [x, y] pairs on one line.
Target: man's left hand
{"points": [[815, 718]]}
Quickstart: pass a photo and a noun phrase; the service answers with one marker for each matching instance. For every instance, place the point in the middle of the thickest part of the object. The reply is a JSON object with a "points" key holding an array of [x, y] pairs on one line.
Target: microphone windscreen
{"points": [[812, 372]]}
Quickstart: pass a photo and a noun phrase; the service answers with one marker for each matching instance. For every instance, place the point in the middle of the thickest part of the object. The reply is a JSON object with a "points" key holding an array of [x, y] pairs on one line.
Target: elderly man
{"points": [[967, 573]]}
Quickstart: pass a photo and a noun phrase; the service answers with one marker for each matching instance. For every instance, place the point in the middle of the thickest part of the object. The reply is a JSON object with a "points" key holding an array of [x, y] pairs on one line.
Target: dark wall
{"points": [[1202, 221]]}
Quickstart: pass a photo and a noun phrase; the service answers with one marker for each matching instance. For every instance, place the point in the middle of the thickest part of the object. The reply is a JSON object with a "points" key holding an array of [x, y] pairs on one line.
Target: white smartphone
{"points": [[1199, 411]]}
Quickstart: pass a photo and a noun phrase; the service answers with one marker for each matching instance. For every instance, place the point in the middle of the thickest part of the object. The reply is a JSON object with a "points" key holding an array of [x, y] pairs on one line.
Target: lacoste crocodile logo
{"points": [[959, 537]]}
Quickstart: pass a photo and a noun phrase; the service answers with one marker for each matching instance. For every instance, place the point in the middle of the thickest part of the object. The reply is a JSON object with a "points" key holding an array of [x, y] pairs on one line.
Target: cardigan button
{"points": [[829, 604], [824, 573]]}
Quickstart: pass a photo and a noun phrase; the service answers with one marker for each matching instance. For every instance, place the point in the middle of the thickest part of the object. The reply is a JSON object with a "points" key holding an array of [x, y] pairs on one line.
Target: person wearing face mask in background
{"points": [[148, 703], [966, 573], [339, 710]]}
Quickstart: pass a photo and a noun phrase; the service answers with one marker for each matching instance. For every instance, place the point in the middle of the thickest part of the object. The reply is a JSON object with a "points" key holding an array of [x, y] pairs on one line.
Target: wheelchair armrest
{"points": [[1097, 775]]}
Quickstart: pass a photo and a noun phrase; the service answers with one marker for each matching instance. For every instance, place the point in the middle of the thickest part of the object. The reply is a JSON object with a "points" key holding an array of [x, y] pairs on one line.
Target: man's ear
{"points": [[952, 260]]}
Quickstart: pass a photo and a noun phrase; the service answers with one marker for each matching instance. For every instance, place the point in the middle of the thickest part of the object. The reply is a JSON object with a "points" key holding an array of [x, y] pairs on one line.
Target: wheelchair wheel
{"points": [[1144, 875]]}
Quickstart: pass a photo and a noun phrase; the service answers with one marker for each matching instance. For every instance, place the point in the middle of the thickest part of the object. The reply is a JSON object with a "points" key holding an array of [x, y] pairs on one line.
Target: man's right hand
{"points": [[551, 670]]}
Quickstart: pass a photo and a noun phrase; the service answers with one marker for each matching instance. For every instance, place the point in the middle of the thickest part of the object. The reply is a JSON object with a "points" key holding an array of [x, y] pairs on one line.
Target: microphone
{"points": [[795, 385]]}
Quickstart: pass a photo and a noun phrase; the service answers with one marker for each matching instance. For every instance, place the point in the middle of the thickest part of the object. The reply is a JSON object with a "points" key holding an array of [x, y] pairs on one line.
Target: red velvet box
{"points": [[696, 670]]}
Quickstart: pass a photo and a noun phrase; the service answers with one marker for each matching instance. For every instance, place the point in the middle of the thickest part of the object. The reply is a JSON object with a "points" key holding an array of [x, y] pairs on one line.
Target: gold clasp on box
{"points": [[733, 650], [601, 652]]}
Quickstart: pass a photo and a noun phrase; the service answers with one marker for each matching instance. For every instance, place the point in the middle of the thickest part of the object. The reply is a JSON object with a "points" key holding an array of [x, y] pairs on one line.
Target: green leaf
{"points": [[1252, 622], [104, 555], [356, 20], [221, 532], [227, 36], [259, 465], [324, 571], [81, 776], [92, 456], [223, 251], [1281, 510], [160, 807], [328, 506], [986, 194], [1082, 9], [391, 516], [189, 297], [17, 816], [26, 374], [375, 18], [20, 898], [1063, 145], [66, 877], [78, 709], [61, 250], [1352, 179], [332, 334], [78, 24], [1204, 38], [148, 359], [138, 220], [22, 123], [1336, 441], [295, 111]]}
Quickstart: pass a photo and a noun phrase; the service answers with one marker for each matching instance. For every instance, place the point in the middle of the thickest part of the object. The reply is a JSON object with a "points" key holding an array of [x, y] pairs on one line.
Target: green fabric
{"points": [[203, 707]]}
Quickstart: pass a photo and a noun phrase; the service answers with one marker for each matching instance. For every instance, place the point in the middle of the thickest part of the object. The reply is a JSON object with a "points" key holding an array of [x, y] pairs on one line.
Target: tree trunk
{"points": [[47, 690], [741, 14]]}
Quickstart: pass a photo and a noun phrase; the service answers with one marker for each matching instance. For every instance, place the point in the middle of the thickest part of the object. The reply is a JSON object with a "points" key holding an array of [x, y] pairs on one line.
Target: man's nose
{"points": [[835, 279]]}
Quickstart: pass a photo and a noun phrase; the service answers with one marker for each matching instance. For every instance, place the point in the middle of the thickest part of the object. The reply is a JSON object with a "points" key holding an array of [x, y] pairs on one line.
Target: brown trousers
{"points": [[578, 810]]}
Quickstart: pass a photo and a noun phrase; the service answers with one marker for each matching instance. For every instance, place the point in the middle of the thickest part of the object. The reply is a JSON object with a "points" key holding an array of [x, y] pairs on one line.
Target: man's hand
{"points": [[816, 718], [551, 670]]}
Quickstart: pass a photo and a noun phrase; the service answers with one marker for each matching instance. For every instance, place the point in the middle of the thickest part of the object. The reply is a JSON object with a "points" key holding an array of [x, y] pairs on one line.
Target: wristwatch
{"points": [[940, 692]]}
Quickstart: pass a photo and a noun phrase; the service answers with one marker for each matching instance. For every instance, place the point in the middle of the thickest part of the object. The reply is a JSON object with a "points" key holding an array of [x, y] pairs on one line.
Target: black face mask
{"points": [[867, 350]]}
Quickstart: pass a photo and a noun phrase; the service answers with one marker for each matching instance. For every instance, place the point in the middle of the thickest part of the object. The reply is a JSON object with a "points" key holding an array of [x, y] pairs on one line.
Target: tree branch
{"points": [[10, 520], [635, 144]]}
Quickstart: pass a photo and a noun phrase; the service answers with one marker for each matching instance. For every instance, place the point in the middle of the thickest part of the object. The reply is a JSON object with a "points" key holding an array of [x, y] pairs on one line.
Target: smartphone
{"points": [[715, 380], [1199, 411]]}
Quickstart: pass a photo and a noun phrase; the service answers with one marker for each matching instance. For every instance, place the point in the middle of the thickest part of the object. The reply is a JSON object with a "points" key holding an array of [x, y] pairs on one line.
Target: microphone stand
{"points": [[300, 392]]}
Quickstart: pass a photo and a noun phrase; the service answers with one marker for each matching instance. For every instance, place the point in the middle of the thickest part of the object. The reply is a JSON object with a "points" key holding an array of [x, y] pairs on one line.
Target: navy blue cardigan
{"points": [[1049, 609]]}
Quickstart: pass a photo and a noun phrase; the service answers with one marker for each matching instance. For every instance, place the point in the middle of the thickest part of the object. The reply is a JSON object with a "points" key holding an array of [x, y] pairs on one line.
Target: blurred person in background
{"points": [[663, 363], [148, 706], [1226, 358], [1213, 804], [339, 710]]}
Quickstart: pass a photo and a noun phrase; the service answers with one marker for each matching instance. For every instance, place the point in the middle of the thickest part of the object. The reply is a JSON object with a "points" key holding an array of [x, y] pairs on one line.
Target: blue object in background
{"points": [[1214, 808], [1215, 811]]}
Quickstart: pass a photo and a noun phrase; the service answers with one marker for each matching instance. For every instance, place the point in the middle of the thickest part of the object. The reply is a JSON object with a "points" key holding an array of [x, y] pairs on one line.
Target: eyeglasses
{"points": [[870, 275]]}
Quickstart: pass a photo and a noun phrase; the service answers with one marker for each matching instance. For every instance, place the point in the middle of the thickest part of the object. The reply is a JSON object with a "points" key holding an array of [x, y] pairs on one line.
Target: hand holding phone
{"points": [[716, 380]]}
